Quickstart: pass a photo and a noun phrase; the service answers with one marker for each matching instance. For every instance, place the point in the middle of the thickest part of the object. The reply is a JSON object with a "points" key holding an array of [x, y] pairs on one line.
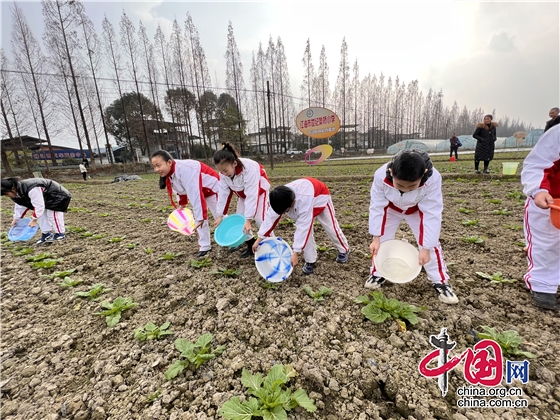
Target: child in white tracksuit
{"points": [[194, 180], [303, 201], [541, 184], [46, 198], [248, 181], [409, 188]]}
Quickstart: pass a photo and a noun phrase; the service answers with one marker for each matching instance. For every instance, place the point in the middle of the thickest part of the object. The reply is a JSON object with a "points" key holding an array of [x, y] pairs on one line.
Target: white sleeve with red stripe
{"points": [[543, 156], [304, 221], [431, 208], [36, 197], [19, 211], [191, 181], [252, 179], [271, 218], [224, 195], [378, 202]]}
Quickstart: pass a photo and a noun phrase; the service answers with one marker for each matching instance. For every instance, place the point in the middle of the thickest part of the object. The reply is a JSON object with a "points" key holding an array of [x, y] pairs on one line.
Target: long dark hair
{"points": [[164, 154], [8, 184], [228, 154]]}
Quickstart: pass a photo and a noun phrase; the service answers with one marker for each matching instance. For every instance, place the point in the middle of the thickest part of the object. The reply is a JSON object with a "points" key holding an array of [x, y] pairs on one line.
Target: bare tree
{"points": [[286, 101], [254, 110], [164, 58], [130, 45], [355, 97], [30, 61], [91, 43], [180, 60], [308, 74], [112, 52], [199, 70], [151, 70], [322, 86], [234, 76], [342, 82], [61, 22]]}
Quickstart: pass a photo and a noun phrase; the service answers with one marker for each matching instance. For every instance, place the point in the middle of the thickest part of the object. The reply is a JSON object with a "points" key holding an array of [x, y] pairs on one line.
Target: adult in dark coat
{"points": [[555, 119], [454, 146], [485, 134]]}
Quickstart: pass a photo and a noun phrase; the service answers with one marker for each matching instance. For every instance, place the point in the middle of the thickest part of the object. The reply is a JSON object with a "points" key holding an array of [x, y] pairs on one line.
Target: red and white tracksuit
{"points": [[541, 173], [48, 220], [421, 209], [313, 201], [250, 185], [199, 183]]}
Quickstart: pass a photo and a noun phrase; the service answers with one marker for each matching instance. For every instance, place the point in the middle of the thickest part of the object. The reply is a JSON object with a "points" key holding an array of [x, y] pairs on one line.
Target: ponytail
{"points": [[228, 154], [8, 184]]}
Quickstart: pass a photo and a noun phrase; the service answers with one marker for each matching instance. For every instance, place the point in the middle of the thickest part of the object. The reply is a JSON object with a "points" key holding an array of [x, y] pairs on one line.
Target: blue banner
{"points": [[61, 154]]}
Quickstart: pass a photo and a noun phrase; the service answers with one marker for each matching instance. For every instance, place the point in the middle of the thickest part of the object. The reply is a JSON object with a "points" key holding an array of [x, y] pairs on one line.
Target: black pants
{"points": [[84, 174], [486, 163], [454, 149]]}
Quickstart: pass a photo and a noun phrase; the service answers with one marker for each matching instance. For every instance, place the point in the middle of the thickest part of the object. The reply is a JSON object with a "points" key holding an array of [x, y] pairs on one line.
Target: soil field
{"points": [[60, 360]]}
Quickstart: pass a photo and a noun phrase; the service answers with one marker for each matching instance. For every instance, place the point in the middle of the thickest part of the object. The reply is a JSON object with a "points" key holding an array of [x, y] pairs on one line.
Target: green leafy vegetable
{"points": [[271, 397], [68, 282], [195, 353], [231, 272], [205, 262], [40, 257], [95, 292], [170, 255], [509, 341], [379, 308], [46, 263], [59, 274], [152, 332], [319, 294], [473, 240], [113, 311], [117, 239], [495, 278]]}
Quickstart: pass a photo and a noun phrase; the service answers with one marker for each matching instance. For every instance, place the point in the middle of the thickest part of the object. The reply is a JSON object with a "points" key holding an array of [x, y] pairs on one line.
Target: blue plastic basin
{"points": [[230, 231], [21, 231]]}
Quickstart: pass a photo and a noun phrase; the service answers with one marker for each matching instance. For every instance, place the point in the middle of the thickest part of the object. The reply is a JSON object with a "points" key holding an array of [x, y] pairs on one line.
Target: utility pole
{"points": [[270, 125]]}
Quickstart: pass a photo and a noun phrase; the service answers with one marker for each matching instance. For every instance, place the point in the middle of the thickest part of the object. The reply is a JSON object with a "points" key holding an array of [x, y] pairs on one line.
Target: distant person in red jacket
{"points": [[555, 119]]}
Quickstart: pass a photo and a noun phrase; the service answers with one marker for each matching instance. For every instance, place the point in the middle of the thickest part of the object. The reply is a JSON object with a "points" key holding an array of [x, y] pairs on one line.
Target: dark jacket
{"points": [[486, 137], [56, 197], [552, 123], [454, 141]]}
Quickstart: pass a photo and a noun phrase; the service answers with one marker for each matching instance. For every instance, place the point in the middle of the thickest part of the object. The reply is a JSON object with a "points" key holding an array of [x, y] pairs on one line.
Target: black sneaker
{"points": [[477, 171], [545, 300], [201, 254], [308, 268], [445, 294], [374, 282], [46, 238], [486, 171], [235, 249], [59, 236], [247, 253]]}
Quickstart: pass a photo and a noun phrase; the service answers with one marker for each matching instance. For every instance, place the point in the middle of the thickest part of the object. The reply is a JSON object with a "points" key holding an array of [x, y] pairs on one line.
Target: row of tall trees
{"points": [[149, 93]]}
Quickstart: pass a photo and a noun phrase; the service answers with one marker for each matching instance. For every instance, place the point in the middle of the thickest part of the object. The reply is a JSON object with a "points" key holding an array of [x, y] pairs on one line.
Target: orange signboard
{"points": [[318, 123]]}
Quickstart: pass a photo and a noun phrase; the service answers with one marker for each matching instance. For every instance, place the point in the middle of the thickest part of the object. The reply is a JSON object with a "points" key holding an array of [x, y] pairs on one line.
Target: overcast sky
{"points": [[502, 55]]}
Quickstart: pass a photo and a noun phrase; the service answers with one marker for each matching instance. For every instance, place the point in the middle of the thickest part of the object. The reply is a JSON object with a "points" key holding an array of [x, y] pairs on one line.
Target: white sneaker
{"points": [[374, 282], [445, 294]]}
